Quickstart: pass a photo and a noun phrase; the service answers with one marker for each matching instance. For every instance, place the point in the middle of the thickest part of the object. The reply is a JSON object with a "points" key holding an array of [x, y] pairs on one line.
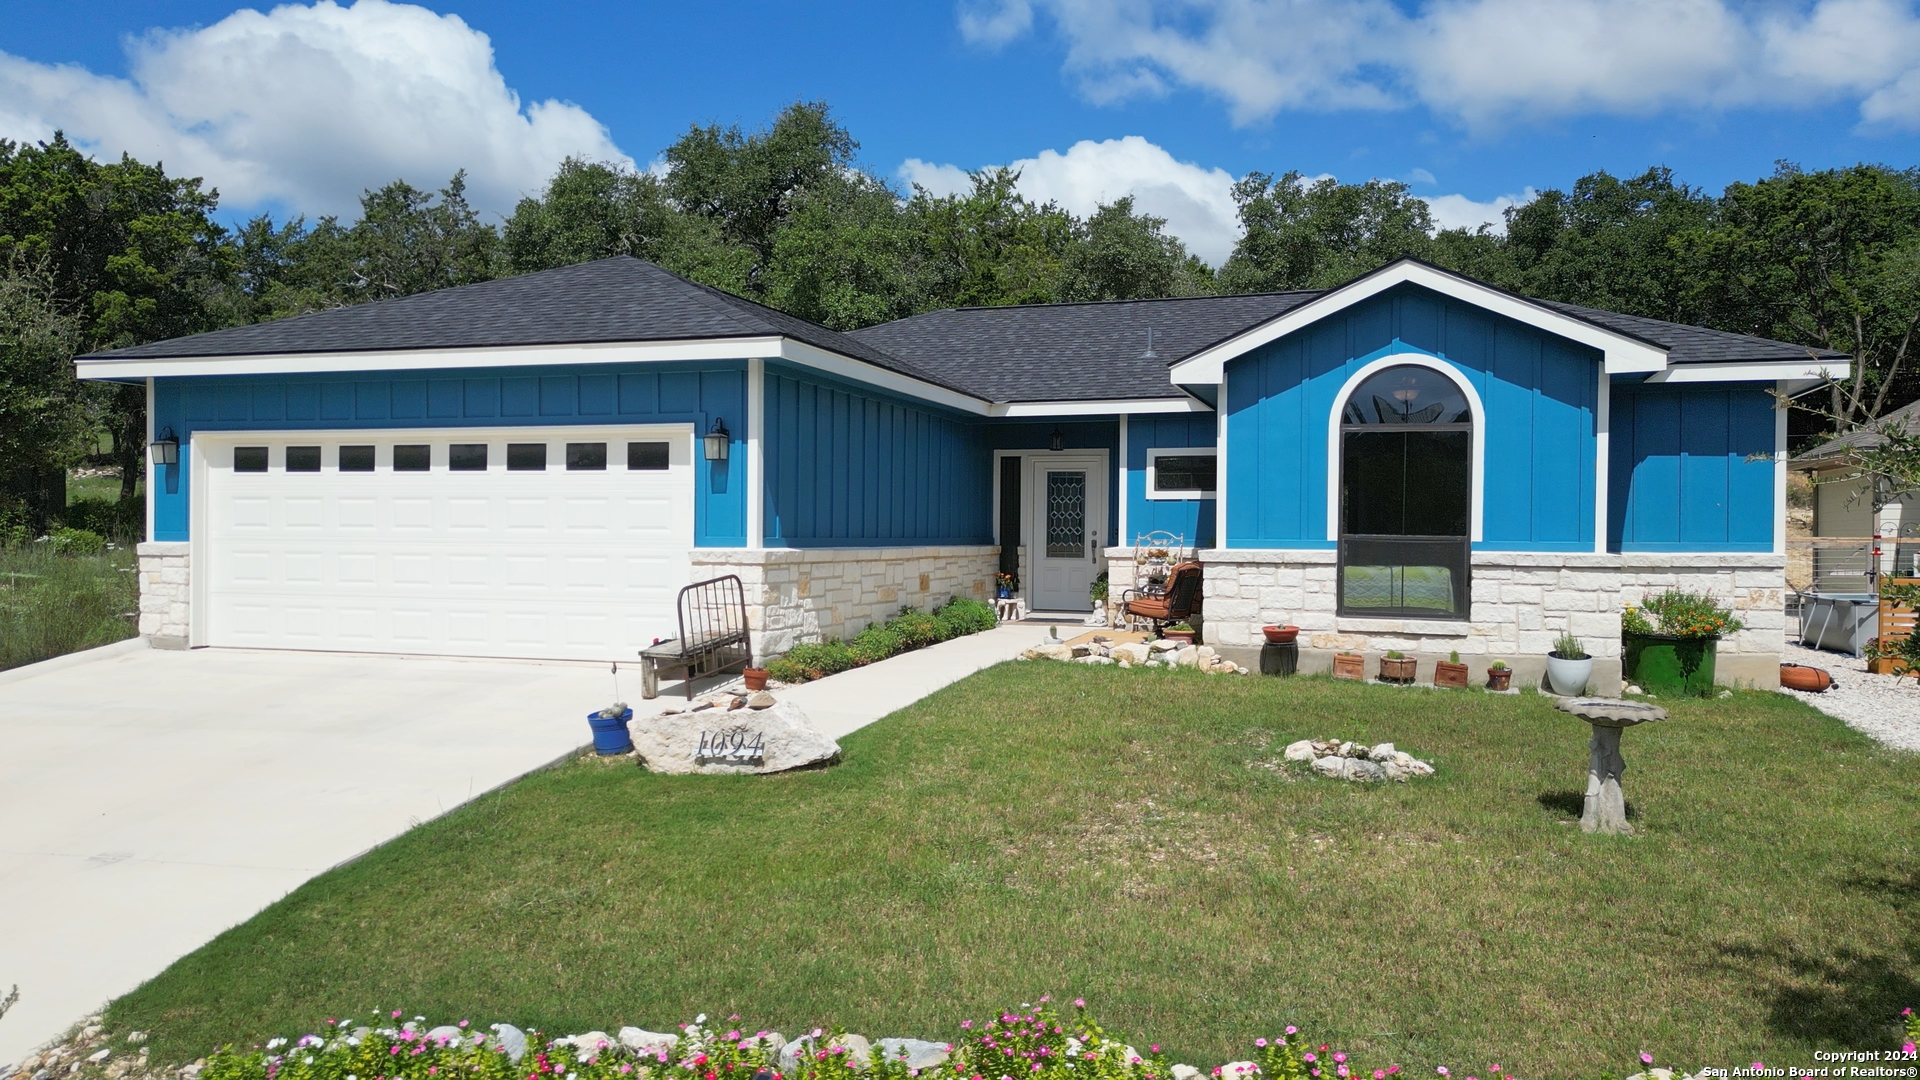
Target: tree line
{"points": [[97, 255]]}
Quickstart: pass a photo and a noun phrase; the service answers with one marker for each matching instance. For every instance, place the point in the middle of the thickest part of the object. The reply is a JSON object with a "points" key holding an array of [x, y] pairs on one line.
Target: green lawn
{"points": [[1124, 835], [51, 604]]}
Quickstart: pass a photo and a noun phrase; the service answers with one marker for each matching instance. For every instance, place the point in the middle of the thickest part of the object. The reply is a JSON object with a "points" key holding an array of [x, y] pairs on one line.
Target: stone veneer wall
{"points": [[1521, 602], [811, 594], [165, 593]]}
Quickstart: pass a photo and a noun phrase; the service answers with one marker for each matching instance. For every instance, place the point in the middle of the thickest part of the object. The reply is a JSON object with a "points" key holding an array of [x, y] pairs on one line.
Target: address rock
{"points": [[671, 744]]}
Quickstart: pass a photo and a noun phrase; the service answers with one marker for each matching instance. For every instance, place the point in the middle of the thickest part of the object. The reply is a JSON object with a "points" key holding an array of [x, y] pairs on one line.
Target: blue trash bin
{"points": [[610, 736]]}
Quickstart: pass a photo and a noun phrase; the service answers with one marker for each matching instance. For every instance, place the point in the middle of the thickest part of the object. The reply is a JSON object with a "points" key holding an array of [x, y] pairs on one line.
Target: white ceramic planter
{"points": [[1568, 677]]}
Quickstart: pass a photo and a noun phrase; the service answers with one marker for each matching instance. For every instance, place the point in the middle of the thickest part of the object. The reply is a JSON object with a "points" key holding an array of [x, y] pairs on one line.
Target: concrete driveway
{"points": [[150, 800]]}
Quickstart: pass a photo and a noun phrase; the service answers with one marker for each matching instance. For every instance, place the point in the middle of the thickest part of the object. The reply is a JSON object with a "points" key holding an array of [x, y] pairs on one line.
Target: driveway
{"points": [[150, 800]]}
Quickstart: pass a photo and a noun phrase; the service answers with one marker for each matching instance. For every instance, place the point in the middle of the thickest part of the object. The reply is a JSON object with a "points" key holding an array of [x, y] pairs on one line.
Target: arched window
{"points": [[1406, 495]]}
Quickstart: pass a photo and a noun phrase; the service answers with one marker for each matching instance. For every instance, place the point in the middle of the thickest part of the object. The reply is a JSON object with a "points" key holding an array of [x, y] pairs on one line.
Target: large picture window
{"points": [[1406, 492]]}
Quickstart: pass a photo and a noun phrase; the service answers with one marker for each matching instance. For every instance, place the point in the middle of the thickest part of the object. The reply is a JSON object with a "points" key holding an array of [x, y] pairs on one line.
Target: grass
{"points": [[52, 604], [1128, 836]]}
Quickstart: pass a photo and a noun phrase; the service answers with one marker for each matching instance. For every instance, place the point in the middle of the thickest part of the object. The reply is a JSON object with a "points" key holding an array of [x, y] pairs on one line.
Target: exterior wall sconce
{"points": [[716, 440], [1056, 442], [166, 449]]}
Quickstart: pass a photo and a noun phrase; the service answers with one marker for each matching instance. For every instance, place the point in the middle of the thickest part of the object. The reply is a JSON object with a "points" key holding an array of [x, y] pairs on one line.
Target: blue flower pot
{"points": [[610, 736]]}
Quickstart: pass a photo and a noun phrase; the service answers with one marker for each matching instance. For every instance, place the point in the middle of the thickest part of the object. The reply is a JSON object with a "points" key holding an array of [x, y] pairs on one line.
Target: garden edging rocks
{"points": [[1353, 761]]}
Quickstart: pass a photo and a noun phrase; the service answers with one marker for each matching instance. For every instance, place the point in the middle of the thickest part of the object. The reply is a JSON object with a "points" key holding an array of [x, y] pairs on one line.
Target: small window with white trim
{"points": [[1186, 472]]}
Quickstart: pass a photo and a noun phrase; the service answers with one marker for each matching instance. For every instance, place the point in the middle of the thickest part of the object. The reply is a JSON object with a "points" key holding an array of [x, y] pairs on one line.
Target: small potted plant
{"points": [[1669, 642], [610, 729], [1569, 668], [1398, 667], [1451, 672], [1281, 635], [755, 678], [1349, 665], [1877, 663], [1097, 592], [1499, 676], [1180, 632], [1004, 584]]}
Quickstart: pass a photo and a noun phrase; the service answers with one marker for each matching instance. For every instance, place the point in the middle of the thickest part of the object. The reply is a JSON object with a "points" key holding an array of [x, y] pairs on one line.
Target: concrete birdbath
{"points": [[1606, 809]]}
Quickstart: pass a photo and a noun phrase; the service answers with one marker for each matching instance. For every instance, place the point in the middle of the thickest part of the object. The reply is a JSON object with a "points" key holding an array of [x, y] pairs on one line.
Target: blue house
{"points": [[534, 466]]}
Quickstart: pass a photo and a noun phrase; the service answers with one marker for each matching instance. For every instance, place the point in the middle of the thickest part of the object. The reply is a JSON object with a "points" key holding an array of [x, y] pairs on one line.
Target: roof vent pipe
{"points": [[1149, 354]]}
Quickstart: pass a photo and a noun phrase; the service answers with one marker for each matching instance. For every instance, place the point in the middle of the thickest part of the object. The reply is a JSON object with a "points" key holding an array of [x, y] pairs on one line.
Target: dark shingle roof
{"points": [[1043, 352], [1693, 344], [1836, 450], [1074, 352], [621, 299]]}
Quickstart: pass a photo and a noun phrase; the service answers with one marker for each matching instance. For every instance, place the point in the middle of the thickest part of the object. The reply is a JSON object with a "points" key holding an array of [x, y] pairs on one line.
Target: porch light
{"points": [[166, 449], [1056, 442], [716, 440]]}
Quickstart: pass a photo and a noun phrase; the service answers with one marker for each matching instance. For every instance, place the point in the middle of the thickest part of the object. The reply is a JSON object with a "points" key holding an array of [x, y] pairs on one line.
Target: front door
{"points": [[1067, 515]]}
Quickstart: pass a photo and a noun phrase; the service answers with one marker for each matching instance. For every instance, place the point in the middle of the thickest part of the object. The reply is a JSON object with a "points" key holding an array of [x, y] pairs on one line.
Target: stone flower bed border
{"points": [[1032, 1042]]}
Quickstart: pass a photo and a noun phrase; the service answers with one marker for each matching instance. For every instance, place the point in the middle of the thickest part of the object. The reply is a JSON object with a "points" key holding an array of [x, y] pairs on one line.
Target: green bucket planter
{"points": [[1660, 664]]}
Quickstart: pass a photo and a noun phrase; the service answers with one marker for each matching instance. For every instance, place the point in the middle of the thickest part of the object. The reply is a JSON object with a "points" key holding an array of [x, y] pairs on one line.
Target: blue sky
{"points": [[1472, 101]]}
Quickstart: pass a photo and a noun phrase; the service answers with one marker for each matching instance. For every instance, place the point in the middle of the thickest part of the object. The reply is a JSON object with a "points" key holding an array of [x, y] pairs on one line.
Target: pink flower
{"points": [[1291, 1029], [396, 1014], [1646, 1058], [1341, 1071], [1442, 1070], [1308, 1057], [1339, 1057], [1379, 1074], [1757, 1066], [1908, 1049], [1078, 1003], [967, 1025], [1155, 1048], [1259, 1042]]}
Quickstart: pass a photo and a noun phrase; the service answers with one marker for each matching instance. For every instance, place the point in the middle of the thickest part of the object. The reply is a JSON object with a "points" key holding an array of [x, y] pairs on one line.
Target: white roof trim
{"points": [[1756, 371], [118, 367], [1624, 355], [1123, 406], [845, 367]]}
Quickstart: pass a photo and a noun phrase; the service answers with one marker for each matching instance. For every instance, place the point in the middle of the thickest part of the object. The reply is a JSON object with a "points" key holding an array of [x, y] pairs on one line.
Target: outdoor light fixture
{"points": [[1056, 442], [166, 449], [716, 440]]}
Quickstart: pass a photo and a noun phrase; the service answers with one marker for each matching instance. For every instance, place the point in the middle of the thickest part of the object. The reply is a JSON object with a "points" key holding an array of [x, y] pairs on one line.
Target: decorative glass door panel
{"points": [[1069, 513]]}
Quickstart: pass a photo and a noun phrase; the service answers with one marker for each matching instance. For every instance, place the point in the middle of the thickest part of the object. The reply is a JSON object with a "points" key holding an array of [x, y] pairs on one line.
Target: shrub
{"points": [[116, 519], [54, 601], [74, 541], [1681, 614], [909, 630]]}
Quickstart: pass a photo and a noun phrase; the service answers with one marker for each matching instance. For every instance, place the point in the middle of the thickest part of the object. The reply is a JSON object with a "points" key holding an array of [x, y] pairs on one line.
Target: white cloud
{"points": [[1491, 62], [1460, 212], [994, 24], [1197, 202], [306, 106], [1420, 176]]}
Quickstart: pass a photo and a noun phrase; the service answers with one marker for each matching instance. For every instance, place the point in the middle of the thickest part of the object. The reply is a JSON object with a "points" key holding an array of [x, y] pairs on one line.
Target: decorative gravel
{"points": [[1886, 708]]}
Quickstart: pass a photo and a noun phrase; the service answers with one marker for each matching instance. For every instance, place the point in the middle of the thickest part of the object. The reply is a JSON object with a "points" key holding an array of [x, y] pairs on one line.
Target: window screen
{"points": [[526, 456], [467, 457], [646, 455], [418, 457], [249, 459], [1183, 472], [356, 459], [586, 455], [303, 459]]}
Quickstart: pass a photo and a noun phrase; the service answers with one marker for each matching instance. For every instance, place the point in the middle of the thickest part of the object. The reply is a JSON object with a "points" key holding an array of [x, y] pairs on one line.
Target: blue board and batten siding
{"points": [[1539, 391], [1691, 469], [651, 394], [849, 466], [1191, 518]]}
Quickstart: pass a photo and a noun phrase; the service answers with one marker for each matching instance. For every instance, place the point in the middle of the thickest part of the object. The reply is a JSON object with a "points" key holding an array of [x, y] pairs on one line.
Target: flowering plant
{"points": [[1680, 614], [1004, 580]]}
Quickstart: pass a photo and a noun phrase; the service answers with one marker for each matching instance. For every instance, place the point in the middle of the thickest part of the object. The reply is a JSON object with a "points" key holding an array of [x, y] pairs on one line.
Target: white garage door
{"points": [[552, 543]]}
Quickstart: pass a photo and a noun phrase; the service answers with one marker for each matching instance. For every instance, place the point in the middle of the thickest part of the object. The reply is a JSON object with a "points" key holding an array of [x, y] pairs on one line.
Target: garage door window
{"points": [[527, 456], [586, 456], [646, 456], [418, 457], [467, 457], [356, 459], [303, 459], [249, 459]]}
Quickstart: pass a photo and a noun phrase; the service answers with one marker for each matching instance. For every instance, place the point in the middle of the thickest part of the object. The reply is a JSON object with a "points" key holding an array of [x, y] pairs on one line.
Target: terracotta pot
{"points": [[1404, 669], [1498, 678], [1280, 635], [1801, 677], [1349, 666], [756, 678], [1184, 637], [1880, 665], [1450, 674]]}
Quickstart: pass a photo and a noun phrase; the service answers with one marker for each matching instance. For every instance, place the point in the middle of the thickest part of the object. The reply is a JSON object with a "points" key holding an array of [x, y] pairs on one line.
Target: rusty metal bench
{"points": [[713, 636]]}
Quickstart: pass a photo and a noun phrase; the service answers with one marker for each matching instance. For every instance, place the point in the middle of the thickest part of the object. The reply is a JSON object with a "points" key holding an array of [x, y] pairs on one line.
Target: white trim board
{"points": [[756, 461], [1784, 371], [1477, 466], [1624, 354], [1122, 406]]}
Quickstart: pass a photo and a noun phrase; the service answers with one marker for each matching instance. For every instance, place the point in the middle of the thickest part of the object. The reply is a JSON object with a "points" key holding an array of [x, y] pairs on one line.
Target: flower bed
{"points": [[1032, 1042], [909, 630]]}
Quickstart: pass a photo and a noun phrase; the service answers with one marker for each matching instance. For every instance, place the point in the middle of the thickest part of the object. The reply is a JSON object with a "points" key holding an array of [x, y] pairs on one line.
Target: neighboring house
{"points": [[533, 466], [1843, 509]]}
